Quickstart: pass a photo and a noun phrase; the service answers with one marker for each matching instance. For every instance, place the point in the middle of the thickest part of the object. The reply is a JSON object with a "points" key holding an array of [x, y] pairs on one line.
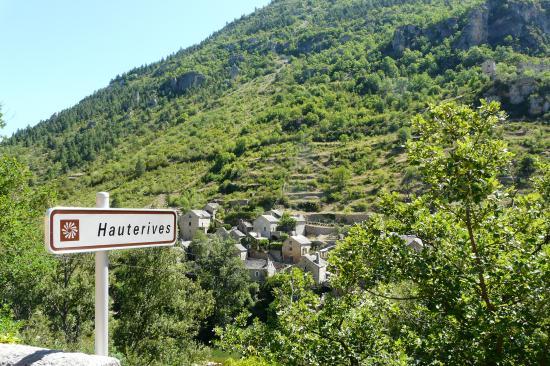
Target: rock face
{"points": [[405, 37], [526, 22], [20, 355], [184, 82], [476, 30]]}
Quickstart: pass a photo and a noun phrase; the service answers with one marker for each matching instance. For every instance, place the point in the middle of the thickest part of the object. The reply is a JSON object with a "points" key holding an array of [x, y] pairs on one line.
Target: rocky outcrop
{"points": [[526, 23], [476, 31], [405, 37], [520, 97], [184, 82], [20, 355], [408, 36]]}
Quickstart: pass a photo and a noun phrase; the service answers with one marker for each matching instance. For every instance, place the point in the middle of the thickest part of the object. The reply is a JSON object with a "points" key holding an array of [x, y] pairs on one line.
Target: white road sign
{"points": [[75, 230]]}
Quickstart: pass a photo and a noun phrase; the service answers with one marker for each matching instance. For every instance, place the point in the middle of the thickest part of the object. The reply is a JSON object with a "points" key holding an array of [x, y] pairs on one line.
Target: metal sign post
{"points": [[102, 289], [100, 229]]}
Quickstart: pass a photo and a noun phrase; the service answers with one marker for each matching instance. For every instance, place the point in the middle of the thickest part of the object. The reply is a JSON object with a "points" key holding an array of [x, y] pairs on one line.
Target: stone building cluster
{"points": [[263, 244], [266, 245]]}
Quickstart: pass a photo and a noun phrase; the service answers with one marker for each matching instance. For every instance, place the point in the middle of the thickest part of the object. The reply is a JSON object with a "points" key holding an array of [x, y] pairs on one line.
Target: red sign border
{"points": [[56, 211]]}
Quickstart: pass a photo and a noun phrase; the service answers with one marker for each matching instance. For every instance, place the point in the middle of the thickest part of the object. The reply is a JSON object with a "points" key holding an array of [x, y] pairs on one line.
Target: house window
{"points": [[189, 223], [290, 249], [265, 229], [257, 274]]}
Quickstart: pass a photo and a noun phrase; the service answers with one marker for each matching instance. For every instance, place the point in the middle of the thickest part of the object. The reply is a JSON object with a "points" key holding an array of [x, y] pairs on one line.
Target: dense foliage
{"points": [[476, 292], [311, 99]]}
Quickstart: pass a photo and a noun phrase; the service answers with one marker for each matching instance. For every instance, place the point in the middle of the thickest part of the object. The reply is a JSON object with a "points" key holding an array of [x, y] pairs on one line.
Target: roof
{"points": [[300, 239], [255, 263], [413, 241], [240, 248], [236, 233], [213, 205], [328, 249], [276, 213], [245, 223], [201, 214], [313, 258], [270, 218]]}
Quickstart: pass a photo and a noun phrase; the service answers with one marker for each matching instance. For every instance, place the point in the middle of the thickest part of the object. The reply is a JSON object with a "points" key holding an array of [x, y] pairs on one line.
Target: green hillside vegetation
{"points": [[319, 105], [271, 105]]}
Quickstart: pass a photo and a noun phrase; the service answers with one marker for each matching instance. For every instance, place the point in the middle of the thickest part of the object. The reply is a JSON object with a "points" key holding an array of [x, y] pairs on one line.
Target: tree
{"points": [[23, 262], [222, 273], [158, 309], [139, 169], [338, 178], [287, 223], [475, 292], [305, 329]]}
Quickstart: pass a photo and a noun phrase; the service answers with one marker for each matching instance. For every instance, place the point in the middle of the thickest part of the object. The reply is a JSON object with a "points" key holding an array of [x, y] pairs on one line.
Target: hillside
{"points": [[302, 103]]}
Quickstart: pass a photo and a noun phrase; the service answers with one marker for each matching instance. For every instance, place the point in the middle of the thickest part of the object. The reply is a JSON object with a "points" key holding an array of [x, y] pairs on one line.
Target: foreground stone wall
{"points": [[20, 355]]}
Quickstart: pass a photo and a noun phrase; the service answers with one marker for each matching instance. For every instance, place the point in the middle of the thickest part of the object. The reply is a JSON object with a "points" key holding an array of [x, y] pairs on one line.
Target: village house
{"points": [[413, 241], [259, 269], [234, 234], [241, 252], [193, 221], [294, 247], [265, 225], [314, 264], [244, 226], [212, 208], [275, 213]]}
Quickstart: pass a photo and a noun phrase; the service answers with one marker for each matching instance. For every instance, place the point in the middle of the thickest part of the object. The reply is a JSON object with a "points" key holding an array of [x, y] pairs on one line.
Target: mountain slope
{"points": [[305, 103]]}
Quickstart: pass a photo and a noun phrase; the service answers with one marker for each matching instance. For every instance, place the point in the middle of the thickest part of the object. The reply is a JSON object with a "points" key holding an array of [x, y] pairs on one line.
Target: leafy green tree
{"points": [[221, 272], [287, 223], [9, 327], [305, 329], [23, 261], [158, 309], [477, 291], [139, 169]]}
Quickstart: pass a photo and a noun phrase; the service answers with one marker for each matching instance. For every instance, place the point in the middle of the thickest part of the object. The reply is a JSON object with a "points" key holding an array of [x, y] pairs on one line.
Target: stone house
{"points": [[212, 208], [259, 269], [244, 226], [314, 264], [266, 225], [294, 247], [236, 234], [413, 241], [193, 221], [275, 213], [240, 251]]}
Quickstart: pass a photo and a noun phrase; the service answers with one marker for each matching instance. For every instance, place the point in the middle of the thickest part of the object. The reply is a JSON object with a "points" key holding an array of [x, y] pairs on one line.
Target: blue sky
{"points": [[56, 52]]}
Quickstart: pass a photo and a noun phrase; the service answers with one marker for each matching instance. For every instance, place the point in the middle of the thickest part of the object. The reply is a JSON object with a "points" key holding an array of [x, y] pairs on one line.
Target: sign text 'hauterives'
{"points": [[74, 230]]}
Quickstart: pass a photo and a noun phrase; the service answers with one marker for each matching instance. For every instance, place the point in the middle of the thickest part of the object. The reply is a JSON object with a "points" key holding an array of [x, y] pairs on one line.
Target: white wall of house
{"points": [[190, 223], [264, 227]]}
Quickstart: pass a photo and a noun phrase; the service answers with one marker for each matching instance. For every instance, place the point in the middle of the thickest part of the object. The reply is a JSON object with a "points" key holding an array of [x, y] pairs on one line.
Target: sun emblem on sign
{"points": [[69, 230]]}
